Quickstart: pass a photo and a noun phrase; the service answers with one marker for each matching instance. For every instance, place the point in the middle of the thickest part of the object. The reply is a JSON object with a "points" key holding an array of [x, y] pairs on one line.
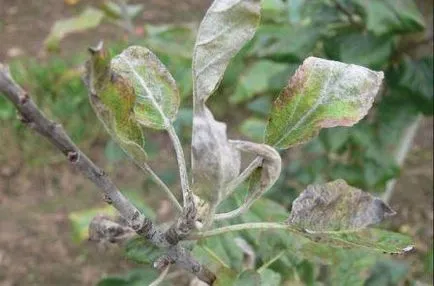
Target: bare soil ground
{"points": [[35, 234]]}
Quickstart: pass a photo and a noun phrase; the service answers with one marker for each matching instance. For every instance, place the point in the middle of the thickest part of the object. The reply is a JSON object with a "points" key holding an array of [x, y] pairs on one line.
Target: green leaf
{"points": [[270, 278], [261, 105], [173, 40], [248, 277], [80, 221], [253, 128], [89, 18], [387, 272], [413, 80], [114, 10], [157, 97], [112, 152], [225, 276], [136, 277], [226, 27], [392, 16], [321, 94], [336, 207], [361, 49], [285, 43], [140, 250], [256, 80]]}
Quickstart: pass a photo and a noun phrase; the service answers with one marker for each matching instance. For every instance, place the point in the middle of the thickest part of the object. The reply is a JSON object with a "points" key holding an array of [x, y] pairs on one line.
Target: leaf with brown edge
{"points": [[321, 94], [225, 29], [156, 95], [337, 207]]}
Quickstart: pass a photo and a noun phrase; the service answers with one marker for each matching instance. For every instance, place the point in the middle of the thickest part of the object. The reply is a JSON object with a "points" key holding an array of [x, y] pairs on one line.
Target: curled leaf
{"points": [[215, 162], [226, 27], [337, 207], [157, 97], [321, 94]]}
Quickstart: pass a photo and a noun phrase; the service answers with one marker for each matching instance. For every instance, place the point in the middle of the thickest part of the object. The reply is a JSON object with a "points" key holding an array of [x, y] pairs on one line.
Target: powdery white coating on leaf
{"points": [[321, 94], [157, 97], [226, 27], [215, 162], [336, 206]]}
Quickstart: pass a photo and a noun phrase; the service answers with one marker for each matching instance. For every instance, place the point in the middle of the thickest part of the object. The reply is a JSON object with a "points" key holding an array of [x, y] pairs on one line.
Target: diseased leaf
{"points": [[264, 177], [112, 98], [89, 18], [140, 250], [157, 97], [215, 162], [226, 27], [321, 94], [337, 207]]}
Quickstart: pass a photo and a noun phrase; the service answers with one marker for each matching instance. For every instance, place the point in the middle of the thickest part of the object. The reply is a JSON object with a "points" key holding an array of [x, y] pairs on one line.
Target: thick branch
{"points": [[35, 119]]}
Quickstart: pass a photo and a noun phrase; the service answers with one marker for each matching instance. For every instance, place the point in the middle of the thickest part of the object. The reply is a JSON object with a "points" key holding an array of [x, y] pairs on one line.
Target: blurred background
{"points": [[45, 205]]}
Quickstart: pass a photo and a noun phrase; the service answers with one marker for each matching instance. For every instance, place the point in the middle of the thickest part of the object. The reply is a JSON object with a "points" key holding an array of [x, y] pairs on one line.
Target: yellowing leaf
{"points": [[321, 94]]}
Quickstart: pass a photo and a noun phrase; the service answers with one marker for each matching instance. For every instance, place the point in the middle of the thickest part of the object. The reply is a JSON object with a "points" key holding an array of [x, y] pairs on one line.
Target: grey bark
{"points": [[31, 115]]}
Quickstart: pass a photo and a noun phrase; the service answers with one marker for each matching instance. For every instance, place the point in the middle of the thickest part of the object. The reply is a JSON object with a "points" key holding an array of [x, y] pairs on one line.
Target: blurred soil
{"points": [[35, 235]]}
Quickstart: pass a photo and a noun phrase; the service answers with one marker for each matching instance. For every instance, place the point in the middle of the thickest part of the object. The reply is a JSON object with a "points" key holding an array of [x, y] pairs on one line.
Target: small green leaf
{"points": [[226, 27], [336, 207], [89, 18], [136, 277], [113, 10], [321, 94], [157, 97], [387, 272], [392, 16], [256, 80], [248, 277], [225, 276], [270, 278], [140, 250], [261, 105], [253, 128], [112, 152], [80, 221]]}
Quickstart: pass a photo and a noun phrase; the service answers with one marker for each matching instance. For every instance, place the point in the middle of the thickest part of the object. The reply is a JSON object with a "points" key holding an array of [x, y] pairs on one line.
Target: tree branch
{"points": [[35, 119]]}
